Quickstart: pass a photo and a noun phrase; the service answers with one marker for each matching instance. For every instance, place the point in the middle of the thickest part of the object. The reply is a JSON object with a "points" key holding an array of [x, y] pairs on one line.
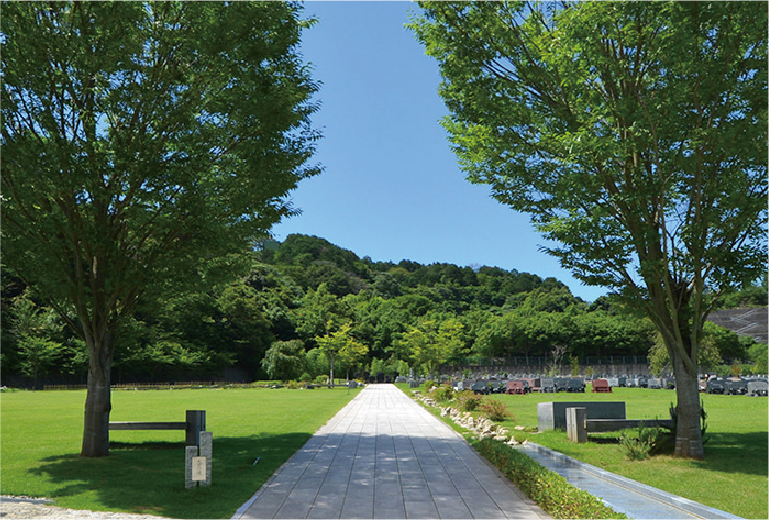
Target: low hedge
{"points": [[549, 490]]}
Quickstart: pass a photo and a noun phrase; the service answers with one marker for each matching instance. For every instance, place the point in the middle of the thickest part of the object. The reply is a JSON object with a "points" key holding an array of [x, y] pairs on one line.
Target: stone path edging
{"points": [[690, 506]]}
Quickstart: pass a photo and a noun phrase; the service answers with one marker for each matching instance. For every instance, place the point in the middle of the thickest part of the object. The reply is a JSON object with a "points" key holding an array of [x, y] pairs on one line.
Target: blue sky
{"points": [[391, 188]]}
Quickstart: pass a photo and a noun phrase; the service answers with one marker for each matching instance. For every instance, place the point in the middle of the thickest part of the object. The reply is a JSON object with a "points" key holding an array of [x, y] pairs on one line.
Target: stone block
{"points": [[189, 452], [551, 415], [207, 451], [575, 424]]}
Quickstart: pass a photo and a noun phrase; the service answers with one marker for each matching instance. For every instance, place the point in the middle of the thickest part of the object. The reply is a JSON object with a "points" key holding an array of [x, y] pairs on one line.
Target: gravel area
{"points": [[26, 507]]}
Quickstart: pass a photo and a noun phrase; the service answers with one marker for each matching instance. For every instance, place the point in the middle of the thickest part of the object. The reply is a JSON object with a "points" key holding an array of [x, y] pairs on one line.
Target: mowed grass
{"points": [[733, 476], [41, 435]]}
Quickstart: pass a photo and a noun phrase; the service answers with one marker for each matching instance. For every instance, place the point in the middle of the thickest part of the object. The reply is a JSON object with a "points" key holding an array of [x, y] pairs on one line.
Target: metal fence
{"points": [[544, 360]]}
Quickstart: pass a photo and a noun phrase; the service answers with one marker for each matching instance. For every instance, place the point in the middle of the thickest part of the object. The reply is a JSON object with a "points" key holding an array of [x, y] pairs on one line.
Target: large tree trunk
{"points": [[97, 401], [688, 430]]}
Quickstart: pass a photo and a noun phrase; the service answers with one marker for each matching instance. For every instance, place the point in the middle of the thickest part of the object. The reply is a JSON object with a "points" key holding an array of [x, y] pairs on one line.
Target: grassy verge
{"points": [[144, 473], [733, 476], [550, 491]]}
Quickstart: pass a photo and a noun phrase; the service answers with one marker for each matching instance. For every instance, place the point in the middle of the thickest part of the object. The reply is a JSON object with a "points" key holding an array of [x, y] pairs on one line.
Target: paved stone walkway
{"points": [[384, 456]]}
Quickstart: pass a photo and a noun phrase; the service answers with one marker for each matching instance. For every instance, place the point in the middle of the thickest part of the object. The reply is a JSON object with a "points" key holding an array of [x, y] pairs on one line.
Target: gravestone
{"points": [[547, 385], [757, 388], [575, 385], [480, 388]]}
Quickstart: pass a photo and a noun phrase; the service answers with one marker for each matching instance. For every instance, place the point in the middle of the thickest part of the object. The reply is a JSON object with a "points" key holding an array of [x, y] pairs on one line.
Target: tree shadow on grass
{"points": [[745, 453], [742, 453], [148, 478]]}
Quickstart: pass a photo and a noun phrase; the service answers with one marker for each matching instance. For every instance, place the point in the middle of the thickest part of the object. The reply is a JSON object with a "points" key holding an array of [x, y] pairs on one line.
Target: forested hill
{"points": [[304, 294], [311, 260]]}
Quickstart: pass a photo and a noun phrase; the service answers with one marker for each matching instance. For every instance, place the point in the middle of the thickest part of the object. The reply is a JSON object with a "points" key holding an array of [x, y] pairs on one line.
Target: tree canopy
{"points": [[628, 131], [145, 145]]}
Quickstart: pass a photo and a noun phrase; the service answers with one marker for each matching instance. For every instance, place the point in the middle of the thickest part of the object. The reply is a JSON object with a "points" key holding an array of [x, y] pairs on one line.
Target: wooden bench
{"points": [[195, 423], [601, 386]]}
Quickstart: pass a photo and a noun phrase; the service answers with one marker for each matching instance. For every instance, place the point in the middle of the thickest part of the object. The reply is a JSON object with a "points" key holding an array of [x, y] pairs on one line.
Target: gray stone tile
{"points": [[382, 456]]}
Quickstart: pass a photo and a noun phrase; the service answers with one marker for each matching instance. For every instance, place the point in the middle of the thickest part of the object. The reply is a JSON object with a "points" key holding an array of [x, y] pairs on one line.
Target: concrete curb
{"points": [[694, 508]]}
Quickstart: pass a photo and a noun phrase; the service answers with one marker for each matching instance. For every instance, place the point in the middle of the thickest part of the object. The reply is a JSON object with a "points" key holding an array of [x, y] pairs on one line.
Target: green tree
{"points": [[143, 142], [628, 131], [319, 311], [248, 331], [38, 355], [759, 355], [708, 354], [342, 349], [34, 329], [430, 343], [284, 360]]}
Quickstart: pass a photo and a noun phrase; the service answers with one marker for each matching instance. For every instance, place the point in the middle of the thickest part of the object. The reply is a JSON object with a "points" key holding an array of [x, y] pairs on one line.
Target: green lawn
{"points": [[733, 476], [41, 433]]}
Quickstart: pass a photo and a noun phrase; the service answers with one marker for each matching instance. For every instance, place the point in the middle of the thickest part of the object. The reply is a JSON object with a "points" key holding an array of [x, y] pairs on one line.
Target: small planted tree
{"points": [[284, 360]]}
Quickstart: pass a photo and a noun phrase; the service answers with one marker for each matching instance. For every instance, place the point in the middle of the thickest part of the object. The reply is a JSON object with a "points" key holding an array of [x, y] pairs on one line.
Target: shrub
{"points": [[443, 393], [429, 384], [306, 378], [642, 445], [468, 401], [495, 410], [321, 380], [549, 490]]}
